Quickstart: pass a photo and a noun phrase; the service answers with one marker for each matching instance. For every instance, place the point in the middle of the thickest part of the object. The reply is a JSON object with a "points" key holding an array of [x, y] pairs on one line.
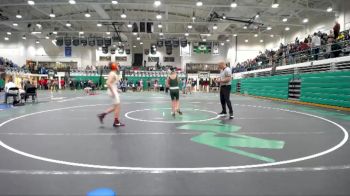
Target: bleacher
{"points": [[325, 82], [330, 88]]}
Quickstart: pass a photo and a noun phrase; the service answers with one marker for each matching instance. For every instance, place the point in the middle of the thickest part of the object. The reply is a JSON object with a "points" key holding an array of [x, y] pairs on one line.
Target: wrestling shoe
{"points": [[222, 114], [119, 124], [101, 117]]}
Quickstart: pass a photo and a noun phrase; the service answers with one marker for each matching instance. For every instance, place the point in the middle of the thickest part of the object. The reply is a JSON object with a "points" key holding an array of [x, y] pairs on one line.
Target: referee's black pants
{"points": [[225, 92]]}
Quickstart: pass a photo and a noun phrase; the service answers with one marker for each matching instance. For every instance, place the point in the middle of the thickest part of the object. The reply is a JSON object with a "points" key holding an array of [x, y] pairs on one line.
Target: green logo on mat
{"points": [[224, 137]]}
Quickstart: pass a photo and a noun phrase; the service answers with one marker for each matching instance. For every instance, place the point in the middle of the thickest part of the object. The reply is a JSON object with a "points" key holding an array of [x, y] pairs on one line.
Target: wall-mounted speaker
{"points": [[76, 42], [67, 41], [150, 27], [142, 27], [91, 41]]}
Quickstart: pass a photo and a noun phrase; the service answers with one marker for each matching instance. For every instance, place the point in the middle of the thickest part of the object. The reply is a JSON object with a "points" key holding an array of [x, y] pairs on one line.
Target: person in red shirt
{"points": [[304, 45], [62, 84], [40, 84], [45, 83]]}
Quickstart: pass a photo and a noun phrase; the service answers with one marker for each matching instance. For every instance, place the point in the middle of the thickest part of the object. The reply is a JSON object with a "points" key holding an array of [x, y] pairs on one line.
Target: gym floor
{"points": [[58, 147]]}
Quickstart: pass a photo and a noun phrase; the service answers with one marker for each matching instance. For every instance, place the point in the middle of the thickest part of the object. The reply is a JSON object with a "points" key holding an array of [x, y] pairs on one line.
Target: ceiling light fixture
{"points": [[55, 32], [161, 34], [285, 19], [215, 27], [233, 4], [272, 35], [193, 15], [257, 15], [15, 24], [245, 27], [275, 4], [160, 26], [81, 33], [261, 41], [138, 38], [246, 41], [224, 16], [222, 43], [141, 43], [269, 28], [38, 25], [134, 33], [255, 35], [47, 37], [24, 37], [52, 15], [108, 33], [87, 14], [9, 33], [204, 39], [72, 2], [189, 26], [235, 35], [18, 14], [115, 2], [329, 9], [187, 34], [123, 15], [159, 16], [31, 2], [99, 25], [305, 20], [129, 25], [287, 29], [68, 24], [6, 38], [227, 40], [37, 42], [157, 3], [199, 3]]}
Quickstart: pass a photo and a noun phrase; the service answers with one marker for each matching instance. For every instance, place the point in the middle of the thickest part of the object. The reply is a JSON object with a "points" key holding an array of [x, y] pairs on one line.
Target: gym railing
{"points": [[325, 52]]}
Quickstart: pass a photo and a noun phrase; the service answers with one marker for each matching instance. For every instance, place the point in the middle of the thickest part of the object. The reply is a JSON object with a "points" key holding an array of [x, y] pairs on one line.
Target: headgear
{"points": [[114, 66]]}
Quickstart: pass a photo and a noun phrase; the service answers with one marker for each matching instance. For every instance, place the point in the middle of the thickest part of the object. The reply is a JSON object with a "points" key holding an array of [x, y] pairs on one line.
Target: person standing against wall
{"points": [[225, 89], [316, 44]]}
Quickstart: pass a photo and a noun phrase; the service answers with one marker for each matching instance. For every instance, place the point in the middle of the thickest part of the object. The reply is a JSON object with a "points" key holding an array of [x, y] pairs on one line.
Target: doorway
{"points": [[138, 59]]}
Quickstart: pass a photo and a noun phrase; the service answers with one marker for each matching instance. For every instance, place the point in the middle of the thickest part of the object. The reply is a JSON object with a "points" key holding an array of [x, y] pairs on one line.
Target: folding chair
{"points": [[31, 91], [12, 92]]}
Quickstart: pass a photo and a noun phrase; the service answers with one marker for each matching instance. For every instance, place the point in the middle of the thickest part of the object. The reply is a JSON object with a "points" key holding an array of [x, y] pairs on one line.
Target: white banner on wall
{"points": [[185, 51]]}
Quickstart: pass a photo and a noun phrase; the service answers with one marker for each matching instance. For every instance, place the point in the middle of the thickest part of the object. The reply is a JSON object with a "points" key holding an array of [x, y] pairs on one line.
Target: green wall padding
{"points": [[234, 86], [330, 88], [274, 86], [2, 83]]}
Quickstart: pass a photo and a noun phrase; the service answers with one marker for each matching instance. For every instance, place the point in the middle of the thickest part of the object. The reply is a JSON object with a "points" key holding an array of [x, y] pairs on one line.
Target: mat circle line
{"points": [[170, 122], [164, 170]]}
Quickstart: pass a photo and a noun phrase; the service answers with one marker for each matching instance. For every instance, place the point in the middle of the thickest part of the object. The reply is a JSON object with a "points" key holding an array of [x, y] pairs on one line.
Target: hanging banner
{"points": [[68, 51]]}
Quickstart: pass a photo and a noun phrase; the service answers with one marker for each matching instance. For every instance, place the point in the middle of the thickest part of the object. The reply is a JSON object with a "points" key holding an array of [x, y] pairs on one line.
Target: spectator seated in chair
{"points": [[90, 88], [11, 90], [30, 90]]}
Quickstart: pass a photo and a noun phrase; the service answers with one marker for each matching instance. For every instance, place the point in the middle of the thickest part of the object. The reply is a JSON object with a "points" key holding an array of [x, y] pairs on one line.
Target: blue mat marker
{"points": [[5, 106], [102, 192]]}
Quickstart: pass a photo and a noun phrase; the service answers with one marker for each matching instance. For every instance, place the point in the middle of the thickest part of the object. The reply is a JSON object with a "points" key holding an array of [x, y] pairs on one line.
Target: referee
{"points": [[225, 89]]}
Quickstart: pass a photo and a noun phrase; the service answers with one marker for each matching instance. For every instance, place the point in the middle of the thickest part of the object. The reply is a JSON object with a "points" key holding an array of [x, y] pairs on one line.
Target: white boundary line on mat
{"points": [[166, 170]]}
